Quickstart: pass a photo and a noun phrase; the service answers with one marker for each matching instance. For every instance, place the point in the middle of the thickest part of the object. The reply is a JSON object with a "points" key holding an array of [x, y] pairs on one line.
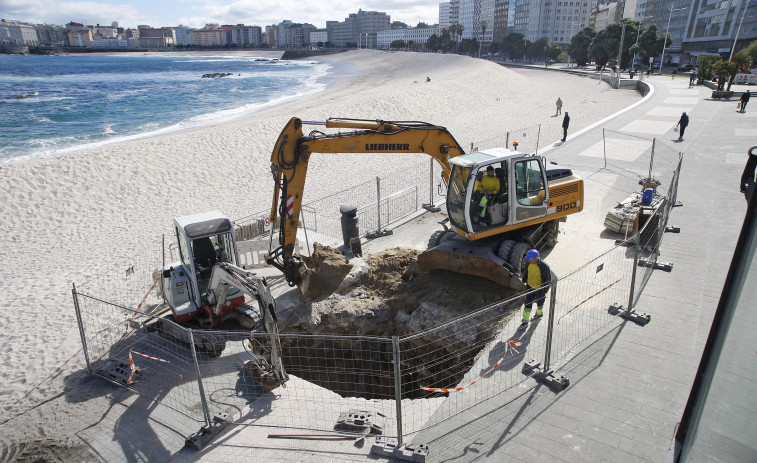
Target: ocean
{"points": [[52, 105]]}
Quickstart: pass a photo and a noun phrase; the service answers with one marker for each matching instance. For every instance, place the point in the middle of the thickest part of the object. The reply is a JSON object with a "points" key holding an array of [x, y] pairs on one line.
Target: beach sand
{"points": [[68, 218]]}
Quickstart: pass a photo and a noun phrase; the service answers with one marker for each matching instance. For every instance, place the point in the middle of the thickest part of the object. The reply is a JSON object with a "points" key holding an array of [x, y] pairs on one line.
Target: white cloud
{"points": [[197, 13]]}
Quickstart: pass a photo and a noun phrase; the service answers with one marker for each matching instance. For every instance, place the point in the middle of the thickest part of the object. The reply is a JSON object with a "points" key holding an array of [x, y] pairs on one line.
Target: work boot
{"points": [[523, 326], [536, 317]]}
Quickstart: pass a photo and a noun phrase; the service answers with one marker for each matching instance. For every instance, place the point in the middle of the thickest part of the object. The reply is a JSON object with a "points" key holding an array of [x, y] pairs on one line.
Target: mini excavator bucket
{"points": [[471, 258]]}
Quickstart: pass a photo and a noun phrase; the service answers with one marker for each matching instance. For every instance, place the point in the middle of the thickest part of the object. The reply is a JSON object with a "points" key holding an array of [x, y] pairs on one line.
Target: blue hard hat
{"points": [[532, 254]]}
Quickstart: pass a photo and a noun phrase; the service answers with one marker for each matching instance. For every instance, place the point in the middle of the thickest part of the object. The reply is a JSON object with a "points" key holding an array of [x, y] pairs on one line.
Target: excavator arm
{"points": [[291, 153]]}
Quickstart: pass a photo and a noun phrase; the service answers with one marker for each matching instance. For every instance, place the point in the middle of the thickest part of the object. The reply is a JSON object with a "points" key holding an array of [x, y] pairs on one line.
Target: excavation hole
{"points": [[378, 302]]}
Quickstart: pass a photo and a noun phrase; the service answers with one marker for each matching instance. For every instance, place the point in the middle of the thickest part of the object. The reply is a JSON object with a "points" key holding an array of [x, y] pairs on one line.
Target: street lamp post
{"points": [[733, 48], [638, 33], [662, 58]]}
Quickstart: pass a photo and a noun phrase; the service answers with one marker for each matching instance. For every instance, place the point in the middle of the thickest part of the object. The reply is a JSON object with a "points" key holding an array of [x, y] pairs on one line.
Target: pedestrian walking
{"points": [[558, 103], [537, 276], [683, 122], [692, 78], [743, 101], [565, 124], [675, 71]]}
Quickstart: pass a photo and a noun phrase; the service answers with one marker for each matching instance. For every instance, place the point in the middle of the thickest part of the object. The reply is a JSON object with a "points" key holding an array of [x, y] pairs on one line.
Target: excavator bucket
{"points": [[471, 258], [322, 272]]}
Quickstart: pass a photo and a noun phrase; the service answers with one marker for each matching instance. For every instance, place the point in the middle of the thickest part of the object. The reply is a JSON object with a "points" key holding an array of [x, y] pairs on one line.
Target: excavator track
{"points": [[459, 255]]}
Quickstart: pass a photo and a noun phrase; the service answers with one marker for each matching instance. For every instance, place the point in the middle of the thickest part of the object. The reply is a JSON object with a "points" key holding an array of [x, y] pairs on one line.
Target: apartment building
{"points": [[78, 35], [361, 27], [241, 35], [18, 33], [557, 20], [716, 28], [320, 36], [416, 34]]}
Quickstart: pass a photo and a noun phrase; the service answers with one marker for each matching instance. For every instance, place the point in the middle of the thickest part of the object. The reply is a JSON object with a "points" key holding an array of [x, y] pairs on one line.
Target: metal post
{"points": [[633, 272], [164, 250], [542, 372], [205, 410], [431, 183], [538, 135], [651, 158], [305, 230], [604, 146], [81, 327], [548, 347], [507, 140], [397, 386], [736, 39], [378, 203]]}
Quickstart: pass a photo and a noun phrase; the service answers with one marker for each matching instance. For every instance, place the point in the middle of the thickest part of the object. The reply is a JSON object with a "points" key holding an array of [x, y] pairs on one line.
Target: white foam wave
{"points": [[315, 81]]}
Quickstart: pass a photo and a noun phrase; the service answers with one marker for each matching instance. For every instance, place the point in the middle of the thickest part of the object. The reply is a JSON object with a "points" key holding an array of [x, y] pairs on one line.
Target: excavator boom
{"points": [[486, 226]]}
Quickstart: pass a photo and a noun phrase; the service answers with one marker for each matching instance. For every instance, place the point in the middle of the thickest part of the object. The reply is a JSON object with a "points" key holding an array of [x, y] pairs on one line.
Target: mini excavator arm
{"points": [[292, 151]]}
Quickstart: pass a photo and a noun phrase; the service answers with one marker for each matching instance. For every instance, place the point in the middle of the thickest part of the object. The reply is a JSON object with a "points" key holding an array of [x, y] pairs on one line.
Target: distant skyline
{"points": [[197, 13]]}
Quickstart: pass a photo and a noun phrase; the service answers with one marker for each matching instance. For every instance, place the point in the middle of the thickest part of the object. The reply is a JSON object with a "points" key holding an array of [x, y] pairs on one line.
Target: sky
{"points": [[197, 13]]}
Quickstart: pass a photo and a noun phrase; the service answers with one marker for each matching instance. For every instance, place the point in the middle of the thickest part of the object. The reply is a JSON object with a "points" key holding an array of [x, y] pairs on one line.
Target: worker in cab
{"points": [[537, 276], [489, 187]]}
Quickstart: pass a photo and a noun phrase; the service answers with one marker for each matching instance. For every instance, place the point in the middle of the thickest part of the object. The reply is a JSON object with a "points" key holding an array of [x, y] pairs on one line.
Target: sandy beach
{"points": [[66, 219]]}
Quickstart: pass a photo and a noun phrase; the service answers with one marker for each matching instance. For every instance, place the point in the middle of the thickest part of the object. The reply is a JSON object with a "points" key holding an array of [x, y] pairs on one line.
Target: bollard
{"points": [[350, 228]]}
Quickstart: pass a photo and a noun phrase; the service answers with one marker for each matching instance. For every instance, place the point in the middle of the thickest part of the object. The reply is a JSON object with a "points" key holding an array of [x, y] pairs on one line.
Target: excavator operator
{"points": [[489, 187]]}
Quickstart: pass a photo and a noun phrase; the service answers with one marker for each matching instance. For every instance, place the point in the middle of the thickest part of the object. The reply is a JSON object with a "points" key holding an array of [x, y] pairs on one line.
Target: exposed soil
{"points": [[374, 300]]}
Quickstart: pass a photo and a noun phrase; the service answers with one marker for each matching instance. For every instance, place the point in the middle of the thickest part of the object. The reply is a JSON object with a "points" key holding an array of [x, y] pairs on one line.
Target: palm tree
{"points": [[456, 30]]}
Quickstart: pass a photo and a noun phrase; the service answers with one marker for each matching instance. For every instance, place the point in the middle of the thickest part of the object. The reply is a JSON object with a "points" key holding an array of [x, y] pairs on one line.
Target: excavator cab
{"points": [[203, 241], [522, 192]]}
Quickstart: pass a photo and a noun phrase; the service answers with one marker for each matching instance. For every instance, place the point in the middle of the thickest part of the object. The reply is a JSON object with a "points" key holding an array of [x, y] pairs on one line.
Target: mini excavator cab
{"points": [[203, 241]]}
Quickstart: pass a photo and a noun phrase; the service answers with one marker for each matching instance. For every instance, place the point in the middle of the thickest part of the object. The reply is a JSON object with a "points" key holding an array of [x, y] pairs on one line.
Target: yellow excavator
{"points": [[489, 231]]}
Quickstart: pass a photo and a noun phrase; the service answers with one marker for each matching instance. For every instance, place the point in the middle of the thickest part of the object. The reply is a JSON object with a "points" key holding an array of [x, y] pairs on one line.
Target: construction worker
{"points": [[537, 276], [488, 186]]}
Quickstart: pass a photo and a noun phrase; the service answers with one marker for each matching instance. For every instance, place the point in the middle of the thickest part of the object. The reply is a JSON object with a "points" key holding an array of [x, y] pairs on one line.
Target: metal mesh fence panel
{"points": [[628, 155], [527, 139], [328, 376], [161, 355], [584, 296], [389, 194], [395, 207], [459, 356], [131, 282]]}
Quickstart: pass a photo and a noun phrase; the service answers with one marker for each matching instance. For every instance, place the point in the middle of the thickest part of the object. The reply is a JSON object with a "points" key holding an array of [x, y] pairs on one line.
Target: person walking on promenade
{"points": [[558, 103], [743, 101], [537, 276], [565, 124], [683, 122], [692, 78], [675, 71]]}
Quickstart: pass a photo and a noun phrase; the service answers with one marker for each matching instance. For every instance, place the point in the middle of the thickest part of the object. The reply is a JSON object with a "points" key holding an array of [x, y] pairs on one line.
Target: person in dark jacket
{"points": [[565, 124], [743, 101], [683, 122], [537, 276]]}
